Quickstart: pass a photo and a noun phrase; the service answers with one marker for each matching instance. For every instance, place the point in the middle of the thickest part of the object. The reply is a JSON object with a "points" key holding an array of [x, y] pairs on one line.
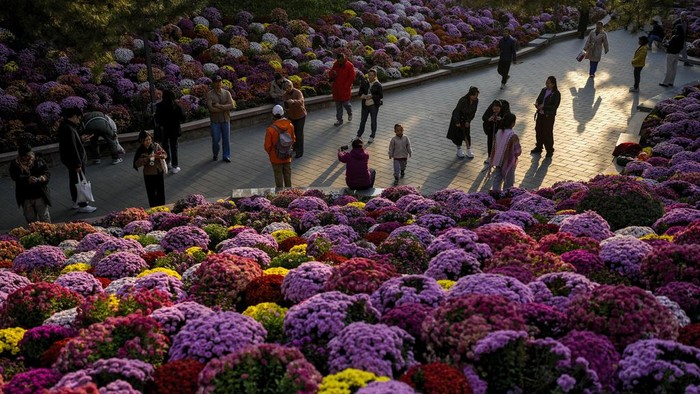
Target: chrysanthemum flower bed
{"points": [[400, 39], [308, 292]]}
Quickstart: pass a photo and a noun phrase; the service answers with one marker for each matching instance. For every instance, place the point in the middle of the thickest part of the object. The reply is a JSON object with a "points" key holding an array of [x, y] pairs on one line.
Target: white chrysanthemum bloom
{"points": [[153, 248], [296, 51], [342, 42], [397, 26], [166, 44], [417, 37], [187, 58], [277, 226], [403, 34], [271, 38], [80, 258], [200, 20], [444, 60], [400, 12], [367, 31], [328, 65], [218, 48], [358, 59], [68, 245], [256, 27], [210, 68], [256, 47], [396, 64], [159, 234], [310, 31], [143, 86], [64, 319], [186, 83], [292, 63], [117, 284], [393, 73], [285, 41], [381, 13], [188, 275], [217, 32], [234, 52], [316, 64], [138, 43], [123, 55]]}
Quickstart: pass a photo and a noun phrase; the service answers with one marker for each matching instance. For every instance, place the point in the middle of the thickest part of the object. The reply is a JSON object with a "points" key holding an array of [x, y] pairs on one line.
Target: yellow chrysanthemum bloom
{"points": [[257, 311], [356, 204], [348, 381], [664, 237], [167, 271], [132, 236], [310, 55], [298, 249], [9, 338], [647, 150], [296, 80], [275, 64], [266, 45], [185, 91], [446, 284], [281, 235], [369, 50], [113, 302], [410, 221], [392, 38], [77, 267], [243, 79], [200, 28], [410, 31], [11, 66], [350, 13], [276, 271], [161, 208], [566, 212], [226, 84], [197, 252], [228, 67], [184, 40]]}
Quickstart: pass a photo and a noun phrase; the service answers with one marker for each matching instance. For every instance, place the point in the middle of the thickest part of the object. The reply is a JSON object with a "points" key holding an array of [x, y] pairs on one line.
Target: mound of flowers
{"points": [[330, 294]]}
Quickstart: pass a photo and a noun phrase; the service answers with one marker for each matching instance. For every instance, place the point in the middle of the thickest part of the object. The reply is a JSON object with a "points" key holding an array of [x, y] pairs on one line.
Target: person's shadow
{"points": [[583, 105], [534, 176]]}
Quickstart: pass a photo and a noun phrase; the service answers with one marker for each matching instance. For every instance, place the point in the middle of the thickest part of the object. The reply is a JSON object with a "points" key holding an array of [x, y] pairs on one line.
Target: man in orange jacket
{"points": [[342, 76], [279, 147]]}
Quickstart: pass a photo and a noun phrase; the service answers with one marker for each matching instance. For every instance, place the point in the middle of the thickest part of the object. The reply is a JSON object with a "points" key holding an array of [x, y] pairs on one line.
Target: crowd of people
{"points": [[157, 153]]}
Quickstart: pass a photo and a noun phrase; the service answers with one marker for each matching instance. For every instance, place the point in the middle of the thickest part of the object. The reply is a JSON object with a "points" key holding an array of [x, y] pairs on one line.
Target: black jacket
{"points": [[676, 43], [30, 191], [375, 90], [551, 103], [169, 119], [463, 113], [70, 146], [492, 127]]}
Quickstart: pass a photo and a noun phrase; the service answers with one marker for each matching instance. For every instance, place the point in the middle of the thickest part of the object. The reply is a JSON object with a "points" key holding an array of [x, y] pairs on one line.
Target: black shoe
{"points": [[226, 159], [549, 154], [403, 173], [396, 180], [298, 155], [215, 158], [664, 85], [687, 64], [536, 151]]}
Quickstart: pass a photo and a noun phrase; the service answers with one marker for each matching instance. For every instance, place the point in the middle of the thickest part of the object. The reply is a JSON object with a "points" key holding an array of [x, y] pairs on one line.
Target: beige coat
{"points": [[595, 44]]}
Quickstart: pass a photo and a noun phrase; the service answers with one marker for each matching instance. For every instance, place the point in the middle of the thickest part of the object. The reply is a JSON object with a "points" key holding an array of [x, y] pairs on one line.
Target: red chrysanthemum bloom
{"points": [[177, 377], [436, 378]]}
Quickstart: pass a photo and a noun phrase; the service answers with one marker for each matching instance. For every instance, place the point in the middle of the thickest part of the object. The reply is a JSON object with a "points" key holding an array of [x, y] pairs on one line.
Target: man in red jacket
{"points": [[342, 76]]}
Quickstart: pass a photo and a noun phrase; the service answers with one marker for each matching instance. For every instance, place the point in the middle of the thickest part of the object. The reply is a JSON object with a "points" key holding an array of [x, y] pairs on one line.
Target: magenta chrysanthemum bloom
{"points": [[408, 289], [307, 280], [376, 348], [491, 284], [687, 295], [215, 335], [359, 275], [597, 350], [671, 263], [119, 265], [584, 261], [39, 257], [32, 381], [500, 235], [221, 278]]}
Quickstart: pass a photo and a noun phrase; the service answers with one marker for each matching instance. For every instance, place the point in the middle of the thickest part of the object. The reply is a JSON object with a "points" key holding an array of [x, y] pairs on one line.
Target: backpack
{"points": [[283, 146]]}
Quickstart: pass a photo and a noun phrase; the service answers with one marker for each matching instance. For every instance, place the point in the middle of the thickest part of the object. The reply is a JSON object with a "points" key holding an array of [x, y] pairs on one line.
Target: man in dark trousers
{"points": [[72, 152], [508, 48]]}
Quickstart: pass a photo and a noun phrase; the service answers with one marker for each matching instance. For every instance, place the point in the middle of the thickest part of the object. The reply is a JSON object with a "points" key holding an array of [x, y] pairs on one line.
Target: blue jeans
{"points": [[368, 111], [593, 68], [652, 38], [339, 109], [219, 131]]}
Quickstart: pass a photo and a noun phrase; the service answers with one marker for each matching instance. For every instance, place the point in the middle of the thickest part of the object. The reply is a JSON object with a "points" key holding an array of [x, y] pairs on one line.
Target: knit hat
{"points": [[278, 111]]}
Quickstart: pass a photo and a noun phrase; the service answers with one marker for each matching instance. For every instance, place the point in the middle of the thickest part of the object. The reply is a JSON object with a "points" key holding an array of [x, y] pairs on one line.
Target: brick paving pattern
{"points": [[593, 113]]}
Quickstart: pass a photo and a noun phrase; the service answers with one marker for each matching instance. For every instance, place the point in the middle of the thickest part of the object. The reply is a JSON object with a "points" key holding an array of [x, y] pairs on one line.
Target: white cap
{"points": [[278, 110]]}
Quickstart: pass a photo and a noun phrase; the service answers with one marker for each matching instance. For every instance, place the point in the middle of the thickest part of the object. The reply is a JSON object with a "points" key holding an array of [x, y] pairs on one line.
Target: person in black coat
{"points": [[673, 50], [31, 176], [371, 94], [546, 106], [460, 122], [72, 152], [169, 115], [492, 121]]}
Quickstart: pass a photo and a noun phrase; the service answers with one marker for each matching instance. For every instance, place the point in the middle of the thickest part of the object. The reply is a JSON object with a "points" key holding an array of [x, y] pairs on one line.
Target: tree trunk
{"points": [[149, 73], [583, 19]]}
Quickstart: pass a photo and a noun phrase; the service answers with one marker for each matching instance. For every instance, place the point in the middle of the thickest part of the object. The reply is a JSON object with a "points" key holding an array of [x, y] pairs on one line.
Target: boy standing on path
{"points": [[220, 104], [508, 48], [280, 156], [400, 151]]}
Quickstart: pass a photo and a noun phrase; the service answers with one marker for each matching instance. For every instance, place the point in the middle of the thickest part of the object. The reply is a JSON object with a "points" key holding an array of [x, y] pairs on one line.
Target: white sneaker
{"points": [[175, 170], [370, 140], [460, 152], [470, 154], [87, 209], [117, 161], [75, 205]]}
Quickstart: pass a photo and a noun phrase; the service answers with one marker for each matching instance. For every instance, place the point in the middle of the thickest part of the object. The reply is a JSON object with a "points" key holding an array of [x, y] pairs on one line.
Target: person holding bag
{"points": [[596, 42], [31, 176], [72, 152], [371, 94], [460, 122], [546, 111], [492, 121], [151, 157]]}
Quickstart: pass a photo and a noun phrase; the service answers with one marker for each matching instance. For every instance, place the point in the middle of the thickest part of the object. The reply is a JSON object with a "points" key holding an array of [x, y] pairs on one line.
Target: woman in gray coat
{"points": [[596, 42]]}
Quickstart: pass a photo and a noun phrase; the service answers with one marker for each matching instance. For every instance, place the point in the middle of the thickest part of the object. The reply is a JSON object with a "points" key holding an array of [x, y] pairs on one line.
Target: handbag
{"points": [[369, 102], [84, 188], [581, 55]]}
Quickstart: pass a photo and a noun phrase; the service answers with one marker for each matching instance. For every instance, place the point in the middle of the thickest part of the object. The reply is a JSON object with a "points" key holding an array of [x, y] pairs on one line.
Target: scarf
{"points": [[501, 142]]}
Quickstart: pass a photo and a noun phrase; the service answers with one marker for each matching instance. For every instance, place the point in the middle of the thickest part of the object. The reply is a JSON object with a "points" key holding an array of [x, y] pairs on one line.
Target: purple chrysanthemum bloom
{"points": [[39, 257], [583, 260], [421, 233], [491, 284], [248, 239], [624, 254], [138, 227], [459, 238], [587, 224], [308, 203], [113, 245], [119, 265], [215, 335], [360, 249], [378, 203], [307, 280], [259, 256], [533, 204], [597, 350], [676, 217], [418, 206], [391, 386], [452, 264], [405, 201], [686, 294], [156, 281], [560, 288], [650, 365], [543, 320], [521, 219], [181, 238], [173, 318], [435, 223], [136, 373], [409, 289], [9, 282], [91, 241], [377, 348], [81, 282]]}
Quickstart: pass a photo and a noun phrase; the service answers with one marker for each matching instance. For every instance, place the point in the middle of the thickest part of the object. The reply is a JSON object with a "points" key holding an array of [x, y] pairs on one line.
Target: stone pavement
{"points": [[593, 113]]}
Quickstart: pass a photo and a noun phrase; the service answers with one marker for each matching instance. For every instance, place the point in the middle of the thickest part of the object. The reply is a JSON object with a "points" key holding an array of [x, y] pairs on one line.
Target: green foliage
{"points": [[296, 9]]}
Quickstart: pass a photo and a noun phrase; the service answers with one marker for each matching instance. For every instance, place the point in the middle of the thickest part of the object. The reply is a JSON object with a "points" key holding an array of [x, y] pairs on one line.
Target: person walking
{"points": [[293, 102], [277, 88], [151, 157], [460, 122], [100, 125], [279, 139], [546, 111], [492, 121], [673, 50], [596, 42], [656, 34], [169, 115], [400, 151], [220, 104], [507, 47], [371, 94], [342, 76], [358, 175], [504, 157], [639, 61], [682, 22], [72, 153], [31, 176]]}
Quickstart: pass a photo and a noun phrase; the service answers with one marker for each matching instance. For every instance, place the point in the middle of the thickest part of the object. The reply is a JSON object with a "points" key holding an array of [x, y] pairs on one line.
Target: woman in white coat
{"points": [[596, 42]]}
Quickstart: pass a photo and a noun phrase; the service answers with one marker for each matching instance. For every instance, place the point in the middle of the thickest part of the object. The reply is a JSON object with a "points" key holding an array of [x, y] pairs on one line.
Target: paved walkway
{"points": [[592, 115]]}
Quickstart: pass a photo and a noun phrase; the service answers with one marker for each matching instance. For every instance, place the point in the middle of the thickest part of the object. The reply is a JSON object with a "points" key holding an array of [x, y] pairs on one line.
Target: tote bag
{"points": [[84, 188], [581, 56]]}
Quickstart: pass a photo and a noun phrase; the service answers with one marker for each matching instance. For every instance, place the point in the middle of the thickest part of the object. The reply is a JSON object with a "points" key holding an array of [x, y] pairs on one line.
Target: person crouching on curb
{"points": [[358, 175], [31, 175], [151, 157], [279, 141], [504, 156]]}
